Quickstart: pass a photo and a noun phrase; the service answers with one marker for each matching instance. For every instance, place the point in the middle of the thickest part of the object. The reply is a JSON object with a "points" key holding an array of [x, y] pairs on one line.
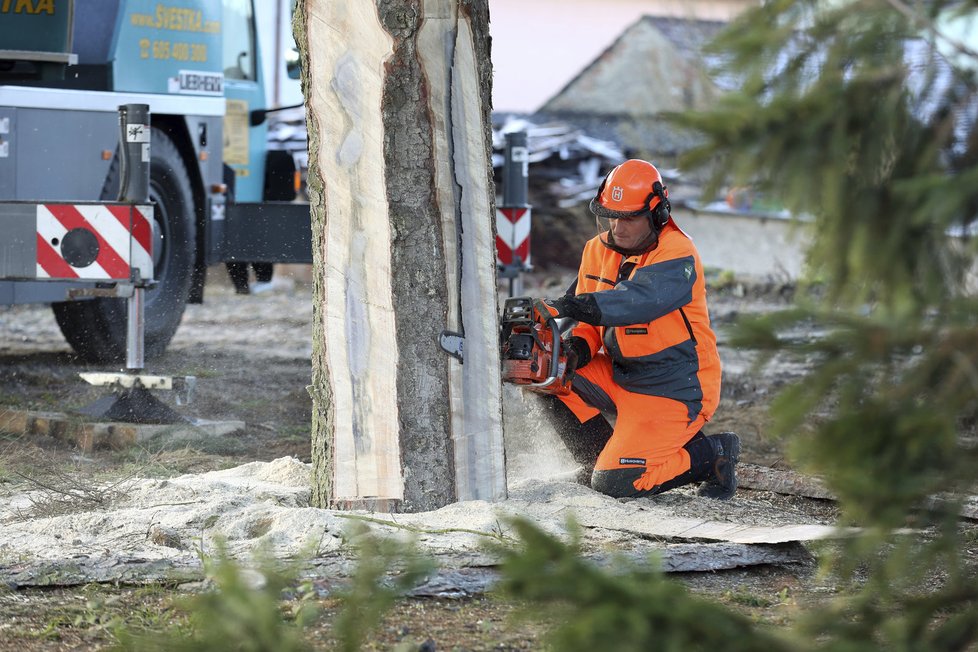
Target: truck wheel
{"points": [[96, 328]]}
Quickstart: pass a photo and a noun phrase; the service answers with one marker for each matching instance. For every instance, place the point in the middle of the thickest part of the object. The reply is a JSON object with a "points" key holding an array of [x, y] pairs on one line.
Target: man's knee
{"points": [[621, 483], [617, 483]]}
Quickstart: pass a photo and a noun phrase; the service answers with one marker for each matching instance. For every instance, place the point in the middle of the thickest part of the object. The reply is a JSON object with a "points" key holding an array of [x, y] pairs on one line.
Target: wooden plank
{"points": [[108, 569], [673, 558], [91, 435], [969, 509], [435, 44], [968, 504], [788, 482], [679, 529], [689, 558], [662, 524]]}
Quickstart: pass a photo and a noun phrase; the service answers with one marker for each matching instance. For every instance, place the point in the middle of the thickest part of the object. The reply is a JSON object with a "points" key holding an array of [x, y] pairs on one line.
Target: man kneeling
{"points": [[644, 350]]}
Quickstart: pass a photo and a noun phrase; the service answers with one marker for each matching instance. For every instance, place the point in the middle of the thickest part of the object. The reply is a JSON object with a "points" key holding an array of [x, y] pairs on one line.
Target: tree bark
{"points": [[397, 97]]}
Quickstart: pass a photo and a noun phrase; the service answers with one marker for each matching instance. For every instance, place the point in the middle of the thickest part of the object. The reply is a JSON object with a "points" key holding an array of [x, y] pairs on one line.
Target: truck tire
{"points": [[96, 328]]}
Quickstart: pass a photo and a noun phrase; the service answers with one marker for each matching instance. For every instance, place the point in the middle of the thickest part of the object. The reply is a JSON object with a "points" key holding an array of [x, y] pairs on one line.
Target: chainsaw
{"points": [[532, 356]]}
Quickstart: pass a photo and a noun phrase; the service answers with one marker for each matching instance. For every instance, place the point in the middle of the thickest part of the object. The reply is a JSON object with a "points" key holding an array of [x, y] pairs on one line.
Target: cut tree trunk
{"points": [[397, 97]]}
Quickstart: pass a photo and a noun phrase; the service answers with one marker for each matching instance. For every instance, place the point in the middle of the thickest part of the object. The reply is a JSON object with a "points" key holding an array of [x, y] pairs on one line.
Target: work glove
{"points": [[581, 307], [578, 353]]}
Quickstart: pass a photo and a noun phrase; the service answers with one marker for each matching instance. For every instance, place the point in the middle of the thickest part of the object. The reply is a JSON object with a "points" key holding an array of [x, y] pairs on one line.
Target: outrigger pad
{"points": [[133, 405]]}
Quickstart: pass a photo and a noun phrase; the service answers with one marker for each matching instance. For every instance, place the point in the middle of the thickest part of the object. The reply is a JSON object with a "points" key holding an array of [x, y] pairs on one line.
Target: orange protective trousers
{"points": [[649, 428]]}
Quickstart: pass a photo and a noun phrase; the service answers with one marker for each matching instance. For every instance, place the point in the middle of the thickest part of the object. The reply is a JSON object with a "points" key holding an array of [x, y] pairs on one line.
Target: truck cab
{"points": [[219, 195]]}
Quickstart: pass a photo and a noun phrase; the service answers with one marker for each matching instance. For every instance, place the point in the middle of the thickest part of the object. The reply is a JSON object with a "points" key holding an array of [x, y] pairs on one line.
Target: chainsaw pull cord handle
{"points": [[551, 322]]}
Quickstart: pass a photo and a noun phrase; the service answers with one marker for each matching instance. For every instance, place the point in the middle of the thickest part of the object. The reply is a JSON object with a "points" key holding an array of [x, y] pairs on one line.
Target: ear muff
{"points": [[660, 213]]}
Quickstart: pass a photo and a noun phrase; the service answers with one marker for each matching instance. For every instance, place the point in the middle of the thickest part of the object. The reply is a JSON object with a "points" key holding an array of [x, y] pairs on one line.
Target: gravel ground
{"points": [[250, 355]]}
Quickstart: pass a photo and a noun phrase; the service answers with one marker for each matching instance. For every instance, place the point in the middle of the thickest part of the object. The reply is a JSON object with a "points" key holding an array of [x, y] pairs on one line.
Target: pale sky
{"points": [[538, 46]]}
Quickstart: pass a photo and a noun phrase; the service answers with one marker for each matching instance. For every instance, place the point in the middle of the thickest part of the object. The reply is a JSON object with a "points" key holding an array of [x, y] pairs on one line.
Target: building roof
{"points": [[655, 65]]}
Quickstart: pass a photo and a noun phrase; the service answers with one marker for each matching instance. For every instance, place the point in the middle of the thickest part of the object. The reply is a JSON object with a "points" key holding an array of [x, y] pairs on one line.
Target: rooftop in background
{"points": [[656, 64], [538, 47]]}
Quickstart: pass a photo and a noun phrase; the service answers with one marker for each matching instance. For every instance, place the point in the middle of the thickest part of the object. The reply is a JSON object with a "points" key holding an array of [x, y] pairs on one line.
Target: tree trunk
{"points": [[397, 95]]}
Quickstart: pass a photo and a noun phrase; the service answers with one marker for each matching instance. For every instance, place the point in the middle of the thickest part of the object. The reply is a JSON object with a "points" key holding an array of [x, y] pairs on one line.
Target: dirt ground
{"points": [[251, 357]]}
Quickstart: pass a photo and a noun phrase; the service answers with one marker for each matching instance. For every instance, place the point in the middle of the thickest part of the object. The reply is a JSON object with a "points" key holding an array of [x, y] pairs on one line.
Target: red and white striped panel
{"points": [[111, 224], [512, 235]]}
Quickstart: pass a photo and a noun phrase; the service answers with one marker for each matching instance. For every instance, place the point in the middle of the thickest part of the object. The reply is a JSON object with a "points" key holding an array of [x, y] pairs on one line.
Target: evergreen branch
{"points": [[931, 26]]}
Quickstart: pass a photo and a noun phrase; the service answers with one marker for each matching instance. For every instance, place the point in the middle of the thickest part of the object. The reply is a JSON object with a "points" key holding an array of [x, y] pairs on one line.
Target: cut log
{"points": [[445, 583], [781, 481], [109, 569], [397, 96], [465, 194], [785, 481], [674, 558]]}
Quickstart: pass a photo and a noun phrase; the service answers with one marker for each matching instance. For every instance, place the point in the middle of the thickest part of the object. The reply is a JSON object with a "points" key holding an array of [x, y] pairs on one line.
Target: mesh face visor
{"points": [[603, 216], [601, 212], [650, 242], [604, 223]]}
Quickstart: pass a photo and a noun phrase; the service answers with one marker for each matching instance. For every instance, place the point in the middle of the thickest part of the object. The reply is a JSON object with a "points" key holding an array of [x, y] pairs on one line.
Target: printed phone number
{"points": [[178, 50]]}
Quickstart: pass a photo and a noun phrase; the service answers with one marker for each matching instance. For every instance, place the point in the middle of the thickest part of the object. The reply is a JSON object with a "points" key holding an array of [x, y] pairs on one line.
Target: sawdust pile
{"points": [[264, 507]]}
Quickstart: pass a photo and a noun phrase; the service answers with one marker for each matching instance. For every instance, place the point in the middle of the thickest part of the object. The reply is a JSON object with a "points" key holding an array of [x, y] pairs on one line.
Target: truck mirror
{"points": [[257, 117], [292, 66]]}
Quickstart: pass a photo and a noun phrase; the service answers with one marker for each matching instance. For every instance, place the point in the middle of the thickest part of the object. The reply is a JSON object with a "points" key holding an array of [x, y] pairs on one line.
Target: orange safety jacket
{"points": [[654, 321]]}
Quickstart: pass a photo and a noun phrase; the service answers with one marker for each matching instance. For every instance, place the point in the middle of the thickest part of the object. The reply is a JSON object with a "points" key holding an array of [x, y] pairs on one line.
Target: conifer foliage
{"points": [[624, 605], [860, 117]]}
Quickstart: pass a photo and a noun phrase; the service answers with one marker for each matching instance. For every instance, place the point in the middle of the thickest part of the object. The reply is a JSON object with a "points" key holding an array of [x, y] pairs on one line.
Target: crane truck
{"points": [[215, 193]]}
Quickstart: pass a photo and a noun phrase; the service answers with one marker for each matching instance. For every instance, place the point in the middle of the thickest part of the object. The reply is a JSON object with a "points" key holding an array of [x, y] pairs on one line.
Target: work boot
{"points": [[722, 484]]}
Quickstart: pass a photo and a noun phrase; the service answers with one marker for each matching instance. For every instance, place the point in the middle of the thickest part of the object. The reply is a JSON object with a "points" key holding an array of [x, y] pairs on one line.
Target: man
{"points": [[643, 349]]}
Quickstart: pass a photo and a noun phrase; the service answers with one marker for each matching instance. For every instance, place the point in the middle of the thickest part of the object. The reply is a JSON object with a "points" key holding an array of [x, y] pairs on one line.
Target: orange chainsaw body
{"points": [[531, 353]]}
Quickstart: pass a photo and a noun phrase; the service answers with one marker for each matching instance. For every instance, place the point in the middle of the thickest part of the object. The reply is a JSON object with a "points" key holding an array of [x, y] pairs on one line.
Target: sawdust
{"points": [[263, 507]]}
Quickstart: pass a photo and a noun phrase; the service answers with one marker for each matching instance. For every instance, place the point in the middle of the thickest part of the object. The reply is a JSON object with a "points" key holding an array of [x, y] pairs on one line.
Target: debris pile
{"points": [[565, 162], [566, 168]]}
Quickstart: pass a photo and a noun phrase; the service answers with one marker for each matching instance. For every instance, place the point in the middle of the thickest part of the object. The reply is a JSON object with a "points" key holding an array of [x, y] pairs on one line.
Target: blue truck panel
{"points": [[168, 48], [93, 38]]}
